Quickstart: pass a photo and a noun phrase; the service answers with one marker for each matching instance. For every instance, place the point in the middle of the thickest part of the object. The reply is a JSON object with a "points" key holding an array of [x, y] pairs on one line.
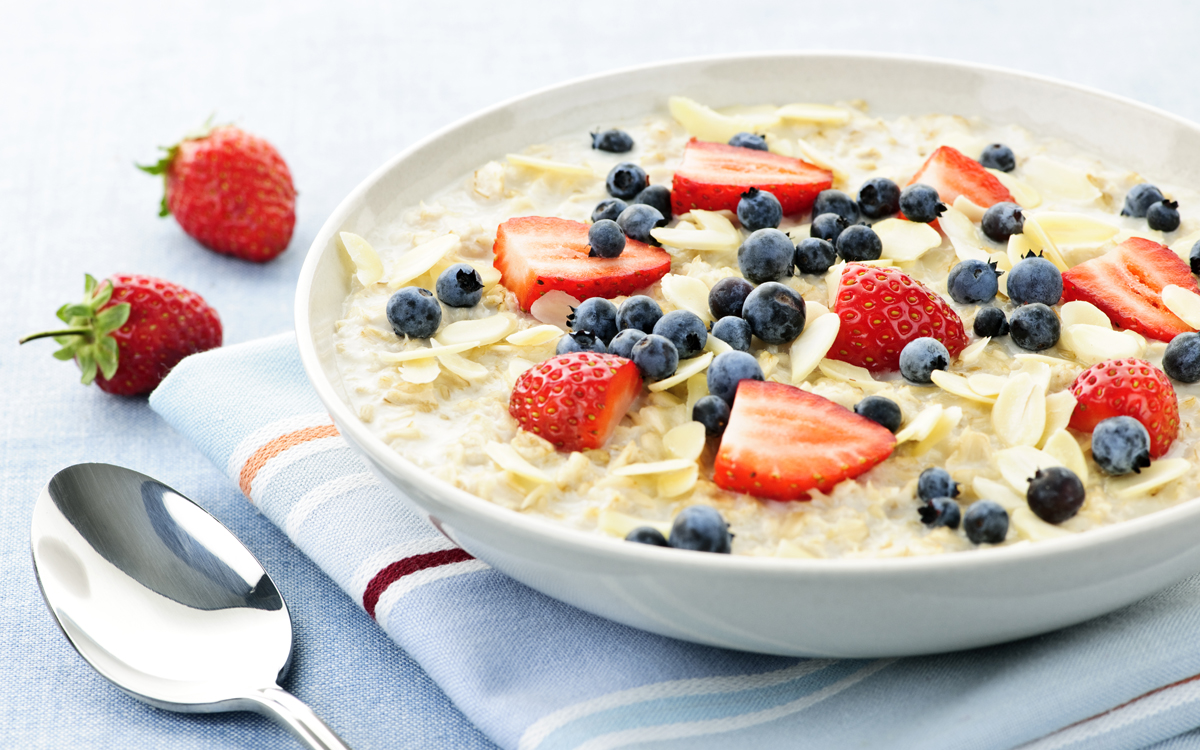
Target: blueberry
{"points": [[936, 482], [1035, 279], [1194, 258], [814, 255], [685, 330], [727, 370], [712, 412], [940, 511], [920, 357], [973, 281], [921, 203], [622, 343], [1163, 216], [647, 535], [606, 239], [775, 313], [985, 522], [613, 141], [880, 410], [766, 255], [597, 315], [749, 140], [758, 209], [460, 285], [609, 208], [991, 321], [656, 196], [835, 202], [1182, 359], [580, 341], [637, 220], [1034, 327], [878, 197], [1120, 445], [998, 156], [859, 243], [1002, 221], [728, 295], [701, 528], [827, 227], [626, 180], [656, 357], [1139, 199], [733, 331], [1055, 494], [640, 312], [414, 312]]}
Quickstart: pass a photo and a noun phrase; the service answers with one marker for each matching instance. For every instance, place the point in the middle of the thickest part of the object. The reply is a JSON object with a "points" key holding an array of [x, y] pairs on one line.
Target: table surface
{"points": [[89, 89]]}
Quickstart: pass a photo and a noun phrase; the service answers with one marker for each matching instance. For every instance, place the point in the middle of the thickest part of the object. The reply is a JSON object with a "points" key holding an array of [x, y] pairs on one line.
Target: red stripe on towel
{"points": [[397, 570]]}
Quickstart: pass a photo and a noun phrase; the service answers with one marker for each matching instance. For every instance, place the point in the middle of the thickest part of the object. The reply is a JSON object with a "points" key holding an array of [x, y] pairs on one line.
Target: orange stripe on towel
{"points": [[272, 449]]}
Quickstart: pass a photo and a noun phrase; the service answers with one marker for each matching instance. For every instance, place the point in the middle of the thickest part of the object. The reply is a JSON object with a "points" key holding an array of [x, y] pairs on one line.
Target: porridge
{"points": [[873, 417]]}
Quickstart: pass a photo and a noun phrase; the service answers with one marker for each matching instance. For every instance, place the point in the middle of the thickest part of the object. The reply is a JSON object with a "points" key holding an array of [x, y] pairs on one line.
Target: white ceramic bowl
{"points": [[844, 608]]}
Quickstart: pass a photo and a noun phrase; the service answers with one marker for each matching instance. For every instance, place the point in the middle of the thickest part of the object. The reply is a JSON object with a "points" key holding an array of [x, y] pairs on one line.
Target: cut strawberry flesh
{"points": [[952, 174], [782, 442], [713, 176], [538, 254], [1126, 284]]}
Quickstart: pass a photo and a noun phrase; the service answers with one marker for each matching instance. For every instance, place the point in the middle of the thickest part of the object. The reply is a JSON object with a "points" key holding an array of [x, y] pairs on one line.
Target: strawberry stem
{"points": [[56, 334], [88, 338]]}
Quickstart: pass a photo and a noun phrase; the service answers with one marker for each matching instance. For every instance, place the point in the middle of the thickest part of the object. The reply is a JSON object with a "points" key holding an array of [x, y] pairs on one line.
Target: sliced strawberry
{"points": [[952, 174], [1127, 283], [575, 400], [713, 176], [883, 309], [1127, 388], [782, 442], [537, 254]]}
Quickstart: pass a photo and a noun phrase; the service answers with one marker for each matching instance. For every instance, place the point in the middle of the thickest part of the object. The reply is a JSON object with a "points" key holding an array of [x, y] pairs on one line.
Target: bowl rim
{"points": [[356, 432]]}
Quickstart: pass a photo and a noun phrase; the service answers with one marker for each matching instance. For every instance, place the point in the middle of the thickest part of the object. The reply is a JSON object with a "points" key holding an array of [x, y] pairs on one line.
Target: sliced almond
{"points": [[463, 367], [656, 467], [1063, 447], [546, 165], [1078, 312], [717, 222], [427, 352], [1075, 229], [959, 386], [693, 239], [686, 441], [972, 353], [1018, 465], [1025, 357], [1024, 194], [706, 123], [516, 368], [921, 425], [507, 458], [1150, 479], [484, 330], [420, 371], [833, 280], [986, 384], [1093, 344], [1038, 370], [420, 259], [964, 236], [1183, 246], [676, 483], [1018, 247], [814, 310], [687, 293], [1184, 303], [489, 275], [819, 158], [1060, 180], [689, 368], [367, 265], [972, 211], [697, 388], [1042, 242], [987, 489], [1059, 408], [811, 346], [620, 524], [1019, 415], [535, 336], [1028, 526], [820, 114], [845, 372], [906, 241], [553, 308], [946, 423], [716, 345]]}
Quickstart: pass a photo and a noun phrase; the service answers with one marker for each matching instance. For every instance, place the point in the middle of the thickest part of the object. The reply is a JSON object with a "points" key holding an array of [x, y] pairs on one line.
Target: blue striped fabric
{"points": [[535, 674]]}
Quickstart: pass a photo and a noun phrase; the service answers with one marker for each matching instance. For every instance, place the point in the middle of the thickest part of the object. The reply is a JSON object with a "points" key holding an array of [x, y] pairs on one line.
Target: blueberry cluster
{"points": [[697, 527], [414, 312], [984, 522], [635, 209], [1147, 201]]}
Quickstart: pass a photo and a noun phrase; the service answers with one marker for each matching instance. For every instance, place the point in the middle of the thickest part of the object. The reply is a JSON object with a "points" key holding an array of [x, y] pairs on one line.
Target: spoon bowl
{"points": [[163, 600]]}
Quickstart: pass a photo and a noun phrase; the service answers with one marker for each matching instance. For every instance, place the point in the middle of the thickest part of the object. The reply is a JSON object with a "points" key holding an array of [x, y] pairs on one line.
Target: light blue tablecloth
{"points": [[87, 89]]}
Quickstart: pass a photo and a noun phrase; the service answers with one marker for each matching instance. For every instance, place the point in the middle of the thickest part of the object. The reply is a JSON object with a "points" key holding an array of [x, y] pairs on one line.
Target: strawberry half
{"points": [[952, 174], [782, 442], [1127, 283], [883, 309], [575, 400], [538, 254], [713, 176], [1127, 388]]}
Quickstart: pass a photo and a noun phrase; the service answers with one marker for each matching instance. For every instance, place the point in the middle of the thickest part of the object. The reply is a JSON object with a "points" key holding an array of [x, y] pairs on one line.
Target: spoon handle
{"points": [[296, 717]]}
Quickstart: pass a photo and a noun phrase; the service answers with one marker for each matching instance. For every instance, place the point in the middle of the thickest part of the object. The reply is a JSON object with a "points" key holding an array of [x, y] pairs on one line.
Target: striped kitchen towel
{"points": [[536, 674]]}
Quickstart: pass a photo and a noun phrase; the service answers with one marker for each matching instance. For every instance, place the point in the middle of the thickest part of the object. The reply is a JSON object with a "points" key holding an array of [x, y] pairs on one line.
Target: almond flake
{"points": [[1060, 180], [508, 459], [1078, 312], [1018, 247], [553, 308], [690, 368], [1018, 465], [488, 274], [1019, 416], [484, 330], [517, 368], [959, 386], [687, 293], [535, 336], [921, 425], [1059, 408], [1023, 193], [546, 165], [368, 267], [986, 384], [964, 236], [811, 346], [686, 441], [676, 483], [1038, 370], [833, 278], [1041, 241], [657, 467], [1075, 229], [1151, 478], [814, 310], [427, 352], [967, 208], [987, 489], [1183, 246], [818, 158], [463, 367], [906, 241], [946, 423], [1063, 447], [707, 124], [1093, 344], [716, 345], [693, 239], [845, 372], [620, 524], [821, 114], [420, 371], [697, 388], [1028, 526], [420, 259], [972, 353], [1184, 303], [1024, 357]]}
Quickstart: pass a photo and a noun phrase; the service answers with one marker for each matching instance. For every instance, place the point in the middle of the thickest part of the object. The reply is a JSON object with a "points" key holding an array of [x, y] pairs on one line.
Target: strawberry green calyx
{"points": [[163, 165], [88, 337]]}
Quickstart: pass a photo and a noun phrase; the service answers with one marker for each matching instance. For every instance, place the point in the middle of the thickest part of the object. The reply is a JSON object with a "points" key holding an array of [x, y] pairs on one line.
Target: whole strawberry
{"points": [[231, 191], [1127, 388], [130, 330]]}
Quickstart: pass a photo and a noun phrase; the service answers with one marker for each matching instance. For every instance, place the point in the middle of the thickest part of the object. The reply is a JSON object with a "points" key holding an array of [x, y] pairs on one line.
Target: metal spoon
{"points": [[163, 600]]}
